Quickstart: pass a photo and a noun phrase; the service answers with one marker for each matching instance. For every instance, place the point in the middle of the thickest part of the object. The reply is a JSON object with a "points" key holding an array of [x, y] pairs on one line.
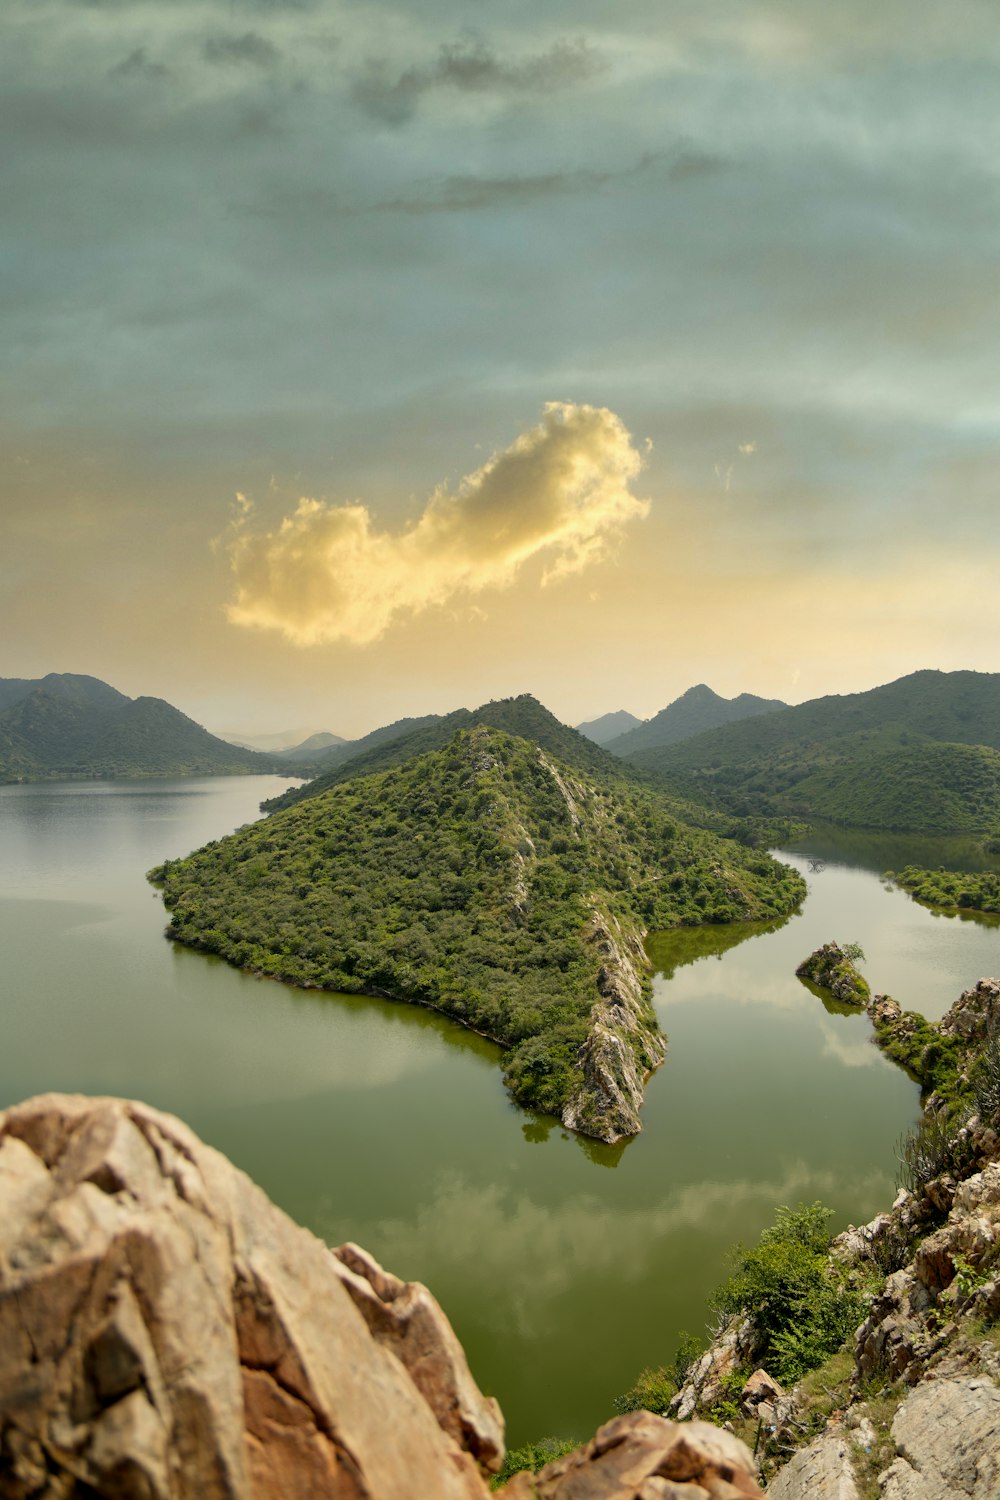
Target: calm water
{"points": [[565, 1266]]}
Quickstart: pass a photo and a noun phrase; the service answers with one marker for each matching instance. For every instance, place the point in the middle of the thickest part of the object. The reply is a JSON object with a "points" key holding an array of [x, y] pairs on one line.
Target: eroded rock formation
{"points": [[167, 1333], [623, 1041]]}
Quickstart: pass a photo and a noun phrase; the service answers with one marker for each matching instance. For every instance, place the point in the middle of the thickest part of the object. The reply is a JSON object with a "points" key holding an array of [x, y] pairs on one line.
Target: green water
{"points": [[565, 1266]]}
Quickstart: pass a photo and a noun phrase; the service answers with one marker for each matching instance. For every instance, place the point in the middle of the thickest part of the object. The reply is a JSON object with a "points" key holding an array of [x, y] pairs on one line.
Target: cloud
{"points": [[472, 67], [329, 574], [249, 48], [139, 65]]}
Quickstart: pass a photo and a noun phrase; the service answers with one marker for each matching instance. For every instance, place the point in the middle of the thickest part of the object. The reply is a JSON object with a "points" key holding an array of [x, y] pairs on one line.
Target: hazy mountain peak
{"points": [[697, 709]]}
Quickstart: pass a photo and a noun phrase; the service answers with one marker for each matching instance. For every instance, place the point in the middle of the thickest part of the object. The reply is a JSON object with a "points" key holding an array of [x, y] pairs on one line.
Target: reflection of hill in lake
{"points": [[670, 951], [862, 849]]}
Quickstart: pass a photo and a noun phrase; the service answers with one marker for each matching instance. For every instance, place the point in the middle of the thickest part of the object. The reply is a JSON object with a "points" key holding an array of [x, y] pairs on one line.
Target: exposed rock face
{"points": [[830, 969], [644, 1457], [731, 1347], [955, 1269], [623, 1043], [947, 1434], [973, 1013], [167, 1333], [822, 1471], [404, 1317]]}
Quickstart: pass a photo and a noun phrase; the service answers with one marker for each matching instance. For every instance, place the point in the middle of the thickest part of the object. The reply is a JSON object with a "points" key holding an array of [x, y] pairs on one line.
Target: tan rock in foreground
{"points": [[165, 1331], [644, 1457]]}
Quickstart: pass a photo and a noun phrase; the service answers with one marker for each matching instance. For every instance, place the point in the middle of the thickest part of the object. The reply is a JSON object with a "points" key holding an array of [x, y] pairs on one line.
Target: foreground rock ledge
{"points": [[166, 1333]]}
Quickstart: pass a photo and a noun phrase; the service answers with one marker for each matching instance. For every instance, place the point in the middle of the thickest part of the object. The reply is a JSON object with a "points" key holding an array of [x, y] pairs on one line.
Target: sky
{"points": [[367, 360]]}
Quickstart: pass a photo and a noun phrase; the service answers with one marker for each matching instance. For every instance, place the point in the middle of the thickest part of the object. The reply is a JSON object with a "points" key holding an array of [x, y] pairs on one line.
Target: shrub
{"points": [[800, 1307], [985, 1077], [653, 1391], [533, 1456], [931, 1149]]}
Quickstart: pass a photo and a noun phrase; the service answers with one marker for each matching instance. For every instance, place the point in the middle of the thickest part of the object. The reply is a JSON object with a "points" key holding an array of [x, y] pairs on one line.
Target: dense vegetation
{"points": [[801, 1308], [964, 890], [694, 712], [472, 878], [400, 742], [919, 754], [67, 725]]}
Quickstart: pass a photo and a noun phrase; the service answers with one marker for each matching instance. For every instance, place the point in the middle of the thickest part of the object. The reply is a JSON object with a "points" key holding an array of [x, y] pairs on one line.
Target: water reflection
{"points": [[389, 1124]]}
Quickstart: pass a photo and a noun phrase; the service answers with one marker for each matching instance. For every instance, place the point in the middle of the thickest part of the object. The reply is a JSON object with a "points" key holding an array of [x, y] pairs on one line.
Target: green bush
{"points": [[932, 1148], [801, 1308], [533, 1456], [985, 1078]]}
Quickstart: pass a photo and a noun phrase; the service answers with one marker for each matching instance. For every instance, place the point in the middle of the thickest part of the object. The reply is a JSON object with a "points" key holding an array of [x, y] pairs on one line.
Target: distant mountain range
{"points": [[919, 754], [289, 742], [608, 726], [692, 713], [71, 725]]}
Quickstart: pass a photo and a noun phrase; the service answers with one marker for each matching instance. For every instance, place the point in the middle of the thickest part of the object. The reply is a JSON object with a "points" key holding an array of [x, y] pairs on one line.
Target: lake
{"points": [[565, 1265]]}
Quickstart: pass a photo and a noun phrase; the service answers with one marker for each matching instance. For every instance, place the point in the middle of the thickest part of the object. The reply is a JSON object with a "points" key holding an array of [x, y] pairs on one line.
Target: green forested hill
{"points": [[495, 882], [960, 890], [694, 712], [918, 754], [71, 725], [523, 716]]}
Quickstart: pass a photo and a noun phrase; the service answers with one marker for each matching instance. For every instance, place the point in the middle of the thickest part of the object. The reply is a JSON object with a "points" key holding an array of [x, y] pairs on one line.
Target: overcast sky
{"points": [[368, 360]]}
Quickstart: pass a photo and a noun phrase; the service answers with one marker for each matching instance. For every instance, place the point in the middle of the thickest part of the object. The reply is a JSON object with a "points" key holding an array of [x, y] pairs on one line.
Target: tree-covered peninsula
{"points": [[952, 890], [495, 882]]}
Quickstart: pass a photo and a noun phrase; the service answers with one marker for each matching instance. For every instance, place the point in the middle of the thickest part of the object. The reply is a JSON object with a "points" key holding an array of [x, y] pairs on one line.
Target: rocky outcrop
{"points": [[167, 1333], [830, 968], [822, 1471], [954, 1270], [704, 1382], [974, 1013], [623, 1042], [644, 1457], [947, 1436]]}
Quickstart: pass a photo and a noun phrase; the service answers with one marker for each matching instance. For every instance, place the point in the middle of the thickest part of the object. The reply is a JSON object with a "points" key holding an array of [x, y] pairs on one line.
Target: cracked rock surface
{"points": [[167, 1333]]}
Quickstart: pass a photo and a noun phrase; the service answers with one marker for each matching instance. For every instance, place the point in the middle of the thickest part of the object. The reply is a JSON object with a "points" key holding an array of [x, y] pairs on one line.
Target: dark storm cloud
{"points": [[472, 67], [248, 49]]}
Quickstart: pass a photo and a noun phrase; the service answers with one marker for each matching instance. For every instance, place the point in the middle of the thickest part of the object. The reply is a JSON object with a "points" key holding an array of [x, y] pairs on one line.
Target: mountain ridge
{"points": [[853, 756], [696, 710], [67, 724]]}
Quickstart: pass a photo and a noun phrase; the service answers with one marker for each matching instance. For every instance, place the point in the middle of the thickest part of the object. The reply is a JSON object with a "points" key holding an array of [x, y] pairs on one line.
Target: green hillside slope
{"points": [[69, 725], [523, 716], [866, 759], [494, 882]]}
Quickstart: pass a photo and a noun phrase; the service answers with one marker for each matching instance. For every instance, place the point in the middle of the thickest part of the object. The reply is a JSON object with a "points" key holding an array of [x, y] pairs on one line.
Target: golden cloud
{"points": [[328, 573]]}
